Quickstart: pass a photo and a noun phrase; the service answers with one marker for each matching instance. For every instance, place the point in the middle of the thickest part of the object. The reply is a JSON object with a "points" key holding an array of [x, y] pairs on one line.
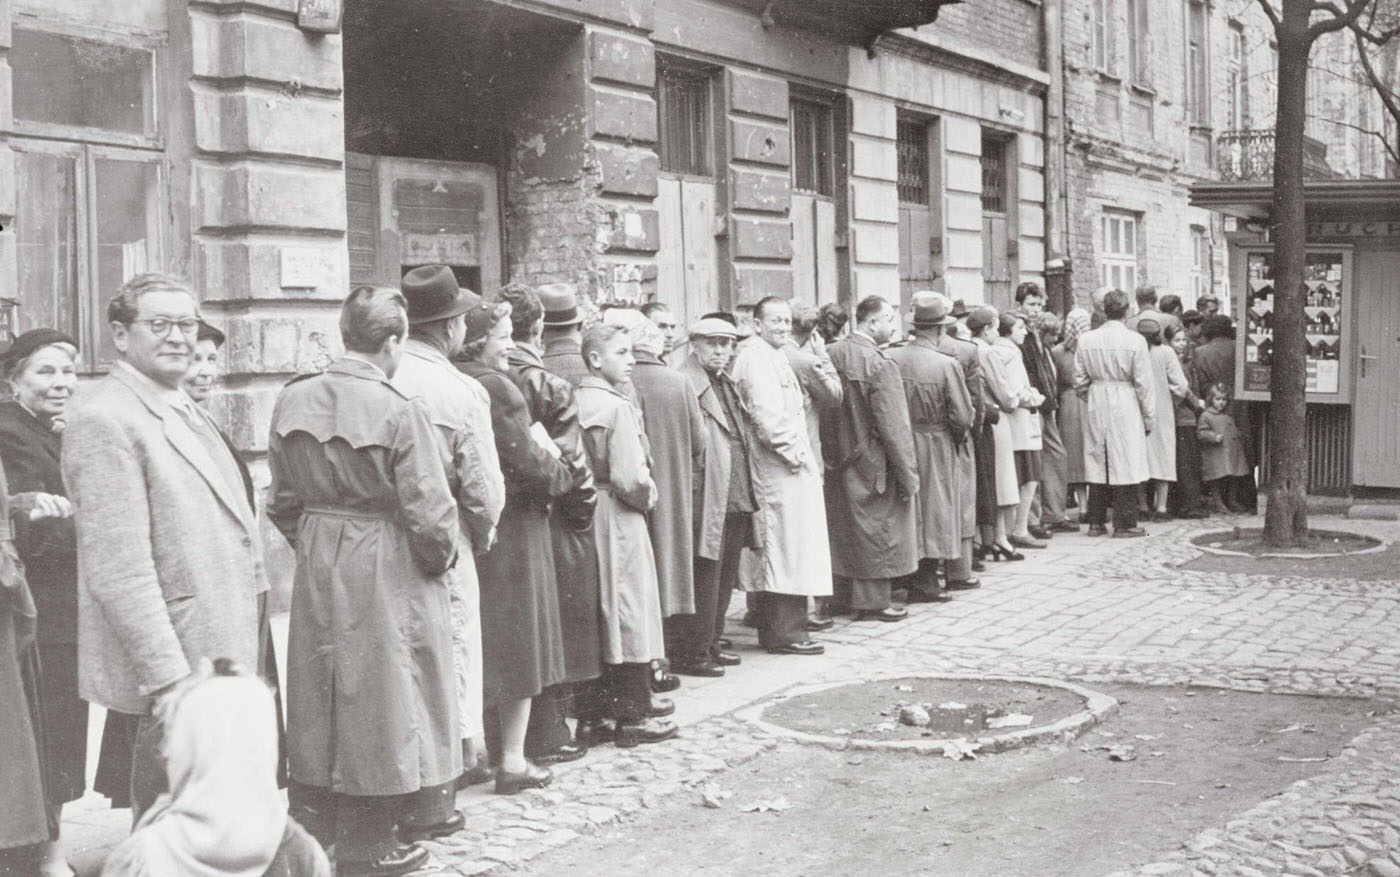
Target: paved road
{"points": [[1084, 609]]}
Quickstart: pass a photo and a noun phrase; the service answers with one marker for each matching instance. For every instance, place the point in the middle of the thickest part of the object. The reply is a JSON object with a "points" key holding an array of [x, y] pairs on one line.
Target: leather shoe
{"points": [[1042, 533], [664, 683], [727, 659], [533, 777], [399, 861], [661, 706], [703, 667], [812, 625], [650, 731], [1023, 542], [914, 595], [978, 565], [1129, 533], [595, 733], [410, 833], [965, 584], [1064, 527], [1097, 530], [889, 613], [567, 752], [475, 775], [807, 648]]}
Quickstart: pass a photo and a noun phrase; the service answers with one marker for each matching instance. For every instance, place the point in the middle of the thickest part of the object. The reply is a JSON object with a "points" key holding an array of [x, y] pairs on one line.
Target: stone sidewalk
{"points": [[1084, 609]]}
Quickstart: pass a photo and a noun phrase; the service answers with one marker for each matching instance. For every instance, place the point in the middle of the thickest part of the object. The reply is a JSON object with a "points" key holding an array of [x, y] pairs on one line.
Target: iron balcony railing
{"points": [[1248, 156]]}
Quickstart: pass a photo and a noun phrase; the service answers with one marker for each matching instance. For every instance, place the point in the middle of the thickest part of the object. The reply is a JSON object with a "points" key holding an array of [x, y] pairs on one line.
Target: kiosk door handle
{"points": [[1364, 359]]}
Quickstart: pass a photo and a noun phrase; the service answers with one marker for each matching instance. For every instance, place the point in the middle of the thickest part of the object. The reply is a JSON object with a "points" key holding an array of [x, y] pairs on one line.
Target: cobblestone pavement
{"points": [[1084, 609]]}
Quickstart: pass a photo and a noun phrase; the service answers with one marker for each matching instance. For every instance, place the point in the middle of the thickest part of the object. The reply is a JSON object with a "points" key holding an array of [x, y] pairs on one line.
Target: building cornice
{"points": [[930, 47]]}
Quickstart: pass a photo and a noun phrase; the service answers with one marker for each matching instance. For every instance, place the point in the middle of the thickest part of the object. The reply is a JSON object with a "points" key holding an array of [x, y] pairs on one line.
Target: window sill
{"points": [[1202, 130], [1105, 76], [1143, 90]]}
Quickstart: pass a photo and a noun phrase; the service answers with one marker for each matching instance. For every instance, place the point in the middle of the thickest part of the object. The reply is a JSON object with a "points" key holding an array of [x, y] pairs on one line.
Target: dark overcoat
{"points": [[554, 406], [522, 642], [874, 481], [671, 417], [360, 491]]}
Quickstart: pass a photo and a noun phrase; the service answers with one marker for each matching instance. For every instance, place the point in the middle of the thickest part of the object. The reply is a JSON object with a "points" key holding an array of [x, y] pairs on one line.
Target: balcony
{"points": [[1248, 157], [856, 21]]}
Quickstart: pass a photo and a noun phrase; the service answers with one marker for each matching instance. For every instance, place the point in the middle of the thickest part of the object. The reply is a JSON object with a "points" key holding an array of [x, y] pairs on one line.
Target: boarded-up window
{"points": [[911, 144], [683, 112], [811, 147], [62, 80], [993, 174]]}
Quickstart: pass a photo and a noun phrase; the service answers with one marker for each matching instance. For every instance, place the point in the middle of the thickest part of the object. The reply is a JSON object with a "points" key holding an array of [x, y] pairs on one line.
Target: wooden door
{"points": [[996, 261], [687, 264], [915, 251], [1376, 429], [813, 248]]}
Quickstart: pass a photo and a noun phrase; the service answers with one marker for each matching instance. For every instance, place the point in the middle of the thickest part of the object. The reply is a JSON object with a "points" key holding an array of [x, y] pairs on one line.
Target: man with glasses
{"points": [[170, 563]]}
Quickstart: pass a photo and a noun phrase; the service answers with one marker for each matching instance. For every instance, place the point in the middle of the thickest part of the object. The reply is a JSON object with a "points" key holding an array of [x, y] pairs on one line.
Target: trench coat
{"points": [[965, 470], [359, 490], [48, 548], [23, 820], [793, 557], [552, 404], [1168, 386], [629, 595], [521, 633], [874, 483], [460, 412], [821, 388], [676, 436], [712, 490], [941, 417], [1113, 374], [994, 381], [1071, 415]]}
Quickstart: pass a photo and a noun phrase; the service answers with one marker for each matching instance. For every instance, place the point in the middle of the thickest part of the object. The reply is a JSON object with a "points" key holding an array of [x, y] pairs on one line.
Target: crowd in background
{"points": [[516, 523]]}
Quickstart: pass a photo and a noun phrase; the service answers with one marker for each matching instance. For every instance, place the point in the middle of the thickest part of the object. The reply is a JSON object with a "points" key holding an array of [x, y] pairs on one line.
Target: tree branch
{"points": [[1272, 15], [1340, 18], [1388, 97]]}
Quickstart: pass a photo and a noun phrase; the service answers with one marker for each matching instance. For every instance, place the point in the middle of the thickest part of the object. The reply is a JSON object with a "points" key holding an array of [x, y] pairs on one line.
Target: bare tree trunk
{"points": [[1286, 520]]}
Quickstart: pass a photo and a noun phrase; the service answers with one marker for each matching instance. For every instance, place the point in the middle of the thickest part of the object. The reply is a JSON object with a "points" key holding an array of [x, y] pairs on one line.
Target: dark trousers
{"points": [[692, 637], [780, 619], [364, 827], [1125, 512], [1185, 494], [622, 693], [148, 777], [858, 594]]}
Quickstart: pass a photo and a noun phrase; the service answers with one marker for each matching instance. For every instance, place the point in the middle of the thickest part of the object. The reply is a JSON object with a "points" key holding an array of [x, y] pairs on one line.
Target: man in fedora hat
{"points": [[460, 410], [958, 572], [562, 335], [941, 416]]}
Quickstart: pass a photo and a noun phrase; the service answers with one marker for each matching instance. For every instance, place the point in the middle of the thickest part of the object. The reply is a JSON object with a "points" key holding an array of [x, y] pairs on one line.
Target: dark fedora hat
{"points": [[932, 309], [560, 304], [959, 309], [432, 293]]}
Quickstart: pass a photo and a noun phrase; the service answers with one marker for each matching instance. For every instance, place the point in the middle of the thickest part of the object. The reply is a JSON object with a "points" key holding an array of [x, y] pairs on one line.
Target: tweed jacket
{"points": [[170, 562]]}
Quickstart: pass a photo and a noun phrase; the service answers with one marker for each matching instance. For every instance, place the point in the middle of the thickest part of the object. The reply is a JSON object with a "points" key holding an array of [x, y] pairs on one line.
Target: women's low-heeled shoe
{"points": [[532, 777]]}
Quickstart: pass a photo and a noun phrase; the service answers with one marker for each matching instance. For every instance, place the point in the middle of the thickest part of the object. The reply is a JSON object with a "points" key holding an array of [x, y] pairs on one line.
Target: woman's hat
{"points": [[209, 332], [432, 293], [481, 316], [981, 319], [560, 304], [959, 309], [1148, 326], [29, 342]]}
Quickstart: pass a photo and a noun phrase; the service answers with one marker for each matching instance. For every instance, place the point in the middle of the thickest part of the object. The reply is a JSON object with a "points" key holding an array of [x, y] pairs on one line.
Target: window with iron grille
{"points": [[993, 174], [683, 113], [811, 147], [911, 145]]}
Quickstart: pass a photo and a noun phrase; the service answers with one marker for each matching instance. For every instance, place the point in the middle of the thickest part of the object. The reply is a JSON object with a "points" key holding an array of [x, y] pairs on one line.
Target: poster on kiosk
{"points": [[1327, 303]]}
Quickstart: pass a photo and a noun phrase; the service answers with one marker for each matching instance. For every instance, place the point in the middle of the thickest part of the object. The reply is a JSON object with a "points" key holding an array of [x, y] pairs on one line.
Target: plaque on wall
{"points": [[1327, 277]]}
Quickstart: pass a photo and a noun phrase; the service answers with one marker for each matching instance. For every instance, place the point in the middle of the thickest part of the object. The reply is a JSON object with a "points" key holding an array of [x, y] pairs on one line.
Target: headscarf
{"points": [[646, 335], [1076, 324], [223, 815]]}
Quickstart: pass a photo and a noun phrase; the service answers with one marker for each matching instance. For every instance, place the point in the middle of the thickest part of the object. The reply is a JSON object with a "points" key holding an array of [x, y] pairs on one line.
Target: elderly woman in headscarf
{"points": [[223, 814], [40, 370], [1071, 406]]}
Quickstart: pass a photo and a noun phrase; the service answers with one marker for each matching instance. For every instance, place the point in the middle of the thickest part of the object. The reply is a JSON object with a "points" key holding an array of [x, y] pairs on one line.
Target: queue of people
{"points": [[504, 519]]}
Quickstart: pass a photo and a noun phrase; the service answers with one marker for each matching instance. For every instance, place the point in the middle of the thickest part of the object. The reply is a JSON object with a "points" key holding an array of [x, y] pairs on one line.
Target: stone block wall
{"points": [[759, 152], [874, 198]]}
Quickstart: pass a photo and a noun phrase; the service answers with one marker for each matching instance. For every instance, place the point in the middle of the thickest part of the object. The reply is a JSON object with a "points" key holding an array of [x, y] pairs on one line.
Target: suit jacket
{"points": [[170, 562], [1040, 368]]}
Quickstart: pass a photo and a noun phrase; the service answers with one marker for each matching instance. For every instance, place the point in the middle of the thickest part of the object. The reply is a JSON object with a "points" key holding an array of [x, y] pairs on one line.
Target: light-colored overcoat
{"points": [[170, 562], [1113, 374], [1169, 385], [360, 491], [460, 409], [676, 435], [791, 521], [628, 593], [940, 415]]}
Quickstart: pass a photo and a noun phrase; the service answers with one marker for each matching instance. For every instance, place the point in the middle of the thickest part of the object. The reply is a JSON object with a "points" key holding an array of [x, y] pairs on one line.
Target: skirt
{"points": [[985, 453], [1008, 488], [64, 753], [1028, 467]]}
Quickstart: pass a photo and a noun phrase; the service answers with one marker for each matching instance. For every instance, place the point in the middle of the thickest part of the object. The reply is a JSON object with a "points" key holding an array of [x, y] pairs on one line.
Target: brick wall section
{"points": [[9, 264], [552, 225], [759, 148], [1009, 28], [621, 73]]}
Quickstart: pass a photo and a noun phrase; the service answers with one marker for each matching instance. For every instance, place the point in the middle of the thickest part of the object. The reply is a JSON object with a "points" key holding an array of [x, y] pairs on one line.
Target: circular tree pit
{"points": [[1317, 544], [957, 716]]}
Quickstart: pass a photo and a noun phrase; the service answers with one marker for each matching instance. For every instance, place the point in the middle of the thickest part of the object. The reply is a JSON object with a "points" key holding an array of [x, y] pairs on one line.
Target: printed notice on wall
{"points": [[1323, 307]]}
